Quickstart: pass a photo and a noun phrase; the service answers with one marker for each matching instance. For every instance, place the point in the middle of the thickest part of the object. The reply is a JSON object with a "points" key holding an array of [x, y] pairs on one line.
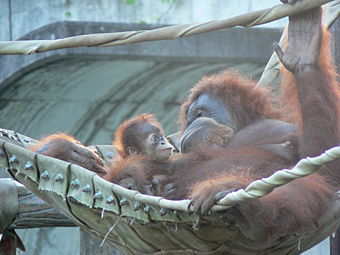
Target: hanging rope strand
{"points": [[165, 33], [272, 69]]}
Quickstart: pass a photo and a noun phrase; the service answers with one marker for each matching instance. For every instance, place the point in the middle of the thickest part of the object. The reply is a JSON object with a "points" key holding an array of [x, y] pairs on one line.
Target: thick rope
{"points": [[256, 189], [264, 186], [166, 33]]}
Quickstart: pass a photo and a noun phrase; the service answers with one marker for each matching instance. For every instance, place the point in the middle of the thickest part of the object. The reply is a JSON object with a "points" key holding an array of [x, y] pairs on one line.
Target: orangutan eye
{"points": [[161, 138], [154, 138]]}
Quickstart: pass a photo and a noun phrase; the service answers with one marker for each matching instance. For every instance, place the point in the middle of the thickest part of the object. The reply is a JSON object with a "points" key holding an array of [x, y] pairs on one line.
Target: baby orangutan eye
{"points": [[154, 138]]}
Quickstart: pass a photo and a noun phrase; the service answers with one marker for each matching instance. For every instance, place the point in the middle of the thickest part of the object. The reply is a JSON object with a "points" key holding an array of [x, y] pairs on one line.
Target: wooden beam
{"points": [[33, 212]]}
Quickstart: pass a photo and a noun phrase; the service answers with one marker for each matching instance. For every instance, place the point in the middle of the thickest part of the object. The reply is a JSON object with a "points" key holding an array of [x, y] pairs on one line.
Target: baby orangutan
{"points": [[141, 149], [142, 135], [142, 154], [67, 148]]}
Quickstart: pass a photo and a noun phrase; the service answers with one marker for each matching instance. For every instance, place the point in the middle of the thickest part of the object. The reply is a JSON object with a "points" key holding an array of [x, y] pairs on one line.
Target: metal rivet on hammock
{"points": [[98, 195], [163, 211], [13, 159], [2, 153], [110, 154], [86, 189], [28, 166], [75, 183], [123, 201], [26, 140], [147, 209], [45, 175], [137, 206], [13, 137], [59, 178], [110, 200]]}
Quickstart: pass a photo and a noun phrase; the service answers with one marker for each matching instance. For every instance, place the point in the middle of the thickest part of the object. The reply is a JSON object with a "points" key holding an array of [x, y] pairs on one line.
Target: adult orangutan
{"points": [[263, 142]]}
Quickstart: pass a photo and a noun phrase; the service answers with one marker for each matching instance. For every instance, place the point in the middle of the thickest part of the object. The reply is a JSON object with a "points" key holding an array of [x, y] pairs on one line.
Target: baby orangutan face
{"points": [[151, 142], [158, 147]]}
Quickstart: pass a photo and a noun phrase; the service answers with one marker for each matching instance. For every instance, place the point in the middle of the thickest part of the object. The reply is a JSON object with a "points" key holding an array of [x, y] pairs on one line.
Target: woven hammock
{"points": [[140, 224]]}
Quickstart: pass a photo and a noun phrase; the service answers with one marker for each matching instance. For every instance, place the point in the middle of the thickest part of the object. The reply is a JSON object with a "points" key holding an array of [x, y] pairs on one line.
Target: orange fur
{"points": [[118, 142], [247, 102], [310, 100], [138, 169], [67, 148], [57, 136]]}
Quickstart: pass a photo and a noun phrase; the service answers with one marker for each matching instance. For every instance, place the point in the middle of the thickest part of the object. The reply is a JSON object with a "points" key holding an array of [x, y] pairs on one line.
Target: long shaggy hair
{"points": [[246, 101]]}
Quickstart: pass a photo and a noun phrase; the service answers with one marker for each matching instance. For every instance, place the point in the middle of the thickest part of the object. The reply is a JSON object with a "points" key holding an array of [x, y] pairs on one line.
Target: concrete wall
{"points": [[18, 17]]}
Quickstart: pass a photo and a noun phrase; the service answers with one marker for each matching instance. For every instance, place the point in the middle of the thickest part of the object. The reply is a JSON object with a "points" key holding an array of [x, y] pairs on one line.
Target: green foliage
{"points": [[131, 2], [67, 14]]}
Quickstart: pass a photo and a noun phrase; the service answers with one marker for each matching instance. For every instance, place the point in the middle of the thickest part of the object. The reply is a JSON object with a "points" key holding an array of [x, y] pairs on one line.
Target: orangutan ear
{"points": [[131, 150]]}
